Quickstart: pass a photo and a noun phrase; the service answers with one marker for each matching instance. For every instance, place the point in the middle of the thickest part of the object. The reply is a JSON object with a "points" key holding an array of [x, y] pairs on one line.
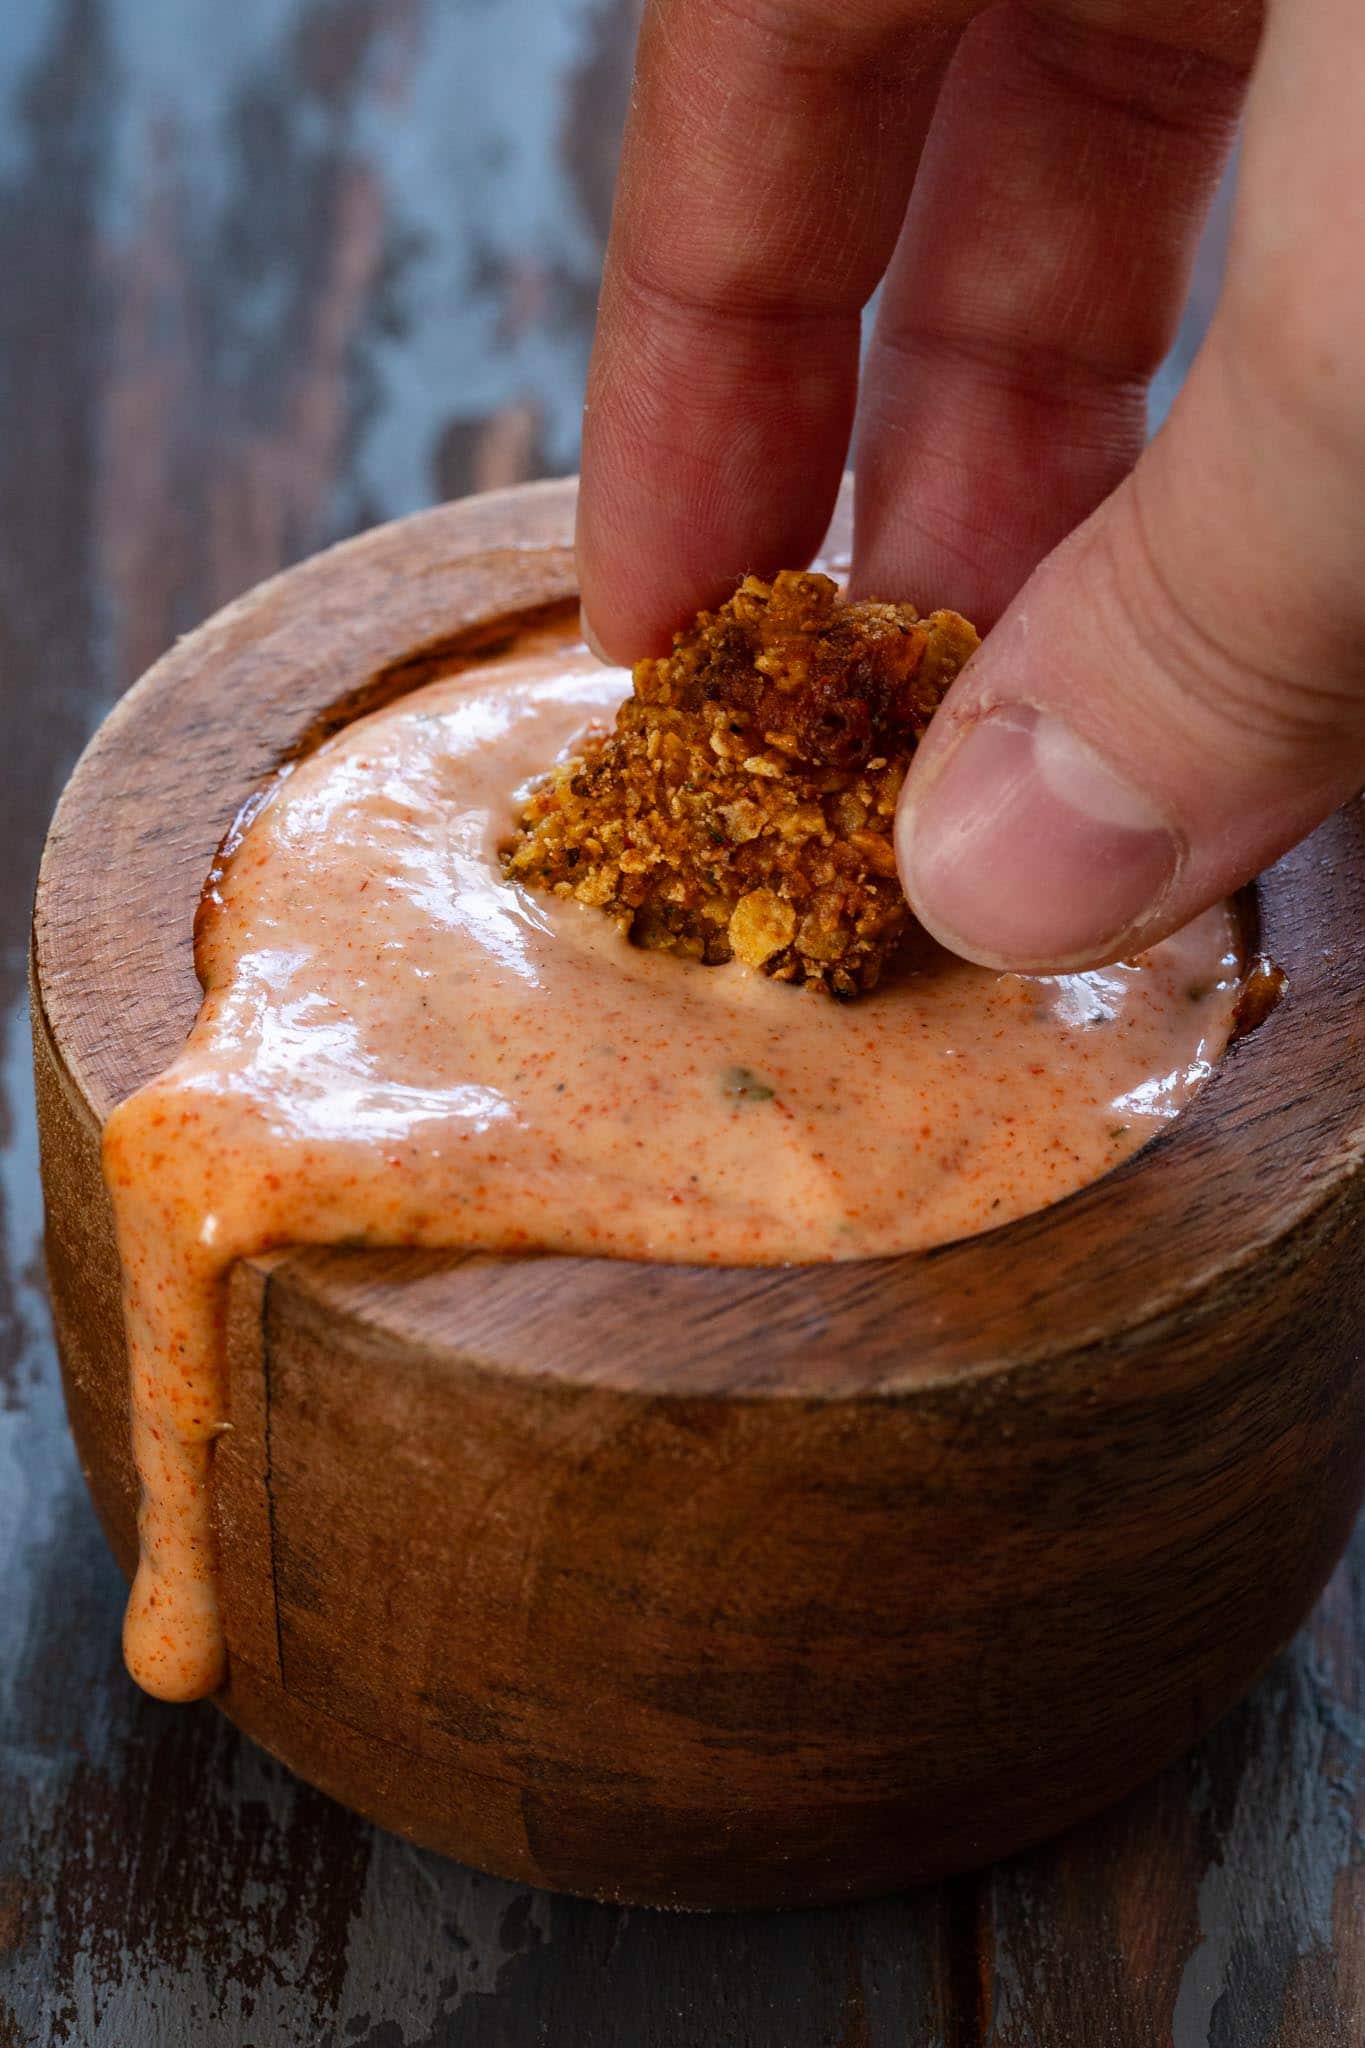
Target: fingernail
{"points": [[594, 644], [1028, 851]]}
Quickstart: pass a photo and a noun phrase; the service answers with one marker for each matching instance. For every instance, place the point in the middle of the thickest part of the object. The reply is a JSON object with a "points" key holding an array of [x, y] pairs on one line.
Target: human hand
{"points": [[1175, 691]]}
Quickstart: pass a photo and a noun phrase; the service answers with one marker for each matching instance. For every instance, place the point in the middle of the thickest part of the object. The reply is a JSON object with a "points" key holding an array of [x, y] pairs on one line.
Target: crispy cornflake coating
{"points": [[742, 805]]}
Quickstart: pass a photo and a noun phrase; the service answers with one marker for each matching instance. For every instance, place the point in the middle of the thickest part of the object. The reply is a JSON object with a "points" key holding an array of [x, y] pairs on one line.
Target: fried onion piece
{"points": [[742, 805]]}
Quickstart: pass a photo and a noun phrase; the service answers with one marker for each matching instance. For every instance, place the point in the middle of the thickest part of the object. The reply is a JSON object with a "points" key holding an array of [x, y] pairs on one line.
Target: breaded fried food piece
{"points": [[742, 805]]}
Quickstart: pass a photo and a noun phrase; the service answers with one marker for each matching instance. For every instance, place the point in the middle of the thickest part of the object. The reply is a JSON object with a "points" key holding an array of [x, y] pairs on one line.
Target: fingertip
{"points": [[593, 639], [1022, 849], [620, 635], [623, 600]]}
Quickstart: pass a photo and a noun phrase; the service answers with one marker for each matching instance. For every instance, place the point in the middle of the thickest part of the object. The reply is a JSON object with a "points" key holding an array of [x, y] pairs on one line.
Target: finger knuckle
{"points": [[1261, 691], [1299, 340]]}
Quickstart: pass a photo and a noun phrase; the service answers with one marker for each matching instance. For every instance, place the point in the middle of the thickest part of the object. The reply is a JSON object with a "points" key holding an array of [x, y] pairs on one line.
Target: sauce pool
{"points": [[396, 1047]]}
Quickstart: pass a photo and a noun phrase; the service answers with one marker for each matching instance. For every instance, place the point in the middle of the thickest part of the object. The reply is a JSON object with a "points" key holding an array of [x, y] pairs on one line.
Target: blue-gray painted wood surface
{"points": [[270, 270]]}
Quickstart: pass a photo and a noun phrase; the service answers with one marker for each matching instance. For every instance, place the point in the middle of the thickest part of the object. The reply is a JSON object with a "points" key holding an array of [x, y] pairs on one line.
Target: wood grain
{"points": [[706, 1587], [160, 1879]]}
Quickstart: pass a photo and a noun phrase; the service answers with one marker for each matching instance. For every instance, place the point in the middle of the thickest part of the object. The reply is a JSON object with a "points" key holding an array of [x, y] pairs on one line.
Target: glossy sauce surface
{"points": [[396, 1047]]}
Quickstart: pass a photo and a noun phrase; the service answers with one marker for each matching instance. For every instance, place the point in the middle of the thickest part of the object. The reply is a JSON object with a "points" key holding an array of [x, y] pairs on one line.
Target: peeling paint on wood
{"points": [[274, 270]]}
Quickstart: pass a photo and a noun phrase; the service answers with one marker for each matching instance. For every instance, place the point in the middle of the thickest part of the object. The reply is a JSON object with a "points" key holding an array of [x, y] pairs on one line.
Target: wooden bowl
{"points": [[711, 1587]]}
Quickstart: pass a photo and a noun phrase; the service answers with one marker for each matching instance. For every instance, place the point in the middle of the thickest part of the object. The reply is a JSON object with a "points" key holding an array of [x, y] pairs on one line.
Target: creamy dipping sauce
{"points": [[397, 1047]]}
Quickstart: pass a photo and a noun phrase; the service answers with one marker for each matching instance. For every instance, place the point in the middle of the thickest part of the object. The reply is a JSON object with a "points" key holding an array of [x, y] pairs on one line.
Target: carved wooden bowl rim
{"points": [[1228, 1198]]}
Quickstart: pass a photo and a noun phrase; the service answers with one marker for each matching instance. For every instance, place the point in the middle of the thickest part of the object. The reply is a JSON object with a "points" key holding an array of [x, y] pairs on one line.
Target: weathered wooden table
{"points": [[268, 272]]}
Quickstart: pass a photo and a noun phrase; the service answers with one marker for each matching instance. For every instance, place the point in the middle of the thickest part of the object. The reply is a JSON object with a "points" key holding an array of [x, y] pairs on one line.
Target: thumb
{"points": [[1177, 695], [1175, 698]]}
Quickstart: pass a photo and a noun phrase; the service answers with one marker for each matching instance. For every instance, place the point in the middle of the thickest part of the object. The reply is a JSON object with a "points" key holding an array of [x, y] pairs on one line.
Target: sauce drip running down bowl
{"points": [[710, 1585]]}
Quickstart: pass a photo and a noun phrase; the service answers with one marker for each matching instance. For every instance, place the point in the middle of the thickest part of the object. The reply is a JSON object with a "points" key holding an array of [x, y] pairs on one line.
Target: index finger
{"points": [[768, 159]]}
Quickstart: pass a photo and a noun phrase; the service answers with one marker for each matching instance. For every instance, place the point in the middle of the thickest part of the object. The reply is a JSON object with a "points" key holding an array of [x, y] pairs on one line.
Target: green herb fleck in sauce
{"points": [[743, 1083]]}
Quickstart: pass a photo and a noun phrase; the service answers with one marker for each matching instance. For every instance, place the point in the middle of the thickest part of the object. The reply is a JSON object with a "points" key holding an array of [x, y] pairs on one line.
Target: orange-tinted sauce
{"points": [[396, 1047]]}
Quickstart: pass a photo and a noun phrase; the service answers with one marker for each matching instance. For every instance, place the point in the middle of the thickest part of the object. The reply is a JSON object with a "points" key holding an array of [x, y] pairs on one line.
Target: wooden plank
{"points": [[255, 309], [1220, 1907]]}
